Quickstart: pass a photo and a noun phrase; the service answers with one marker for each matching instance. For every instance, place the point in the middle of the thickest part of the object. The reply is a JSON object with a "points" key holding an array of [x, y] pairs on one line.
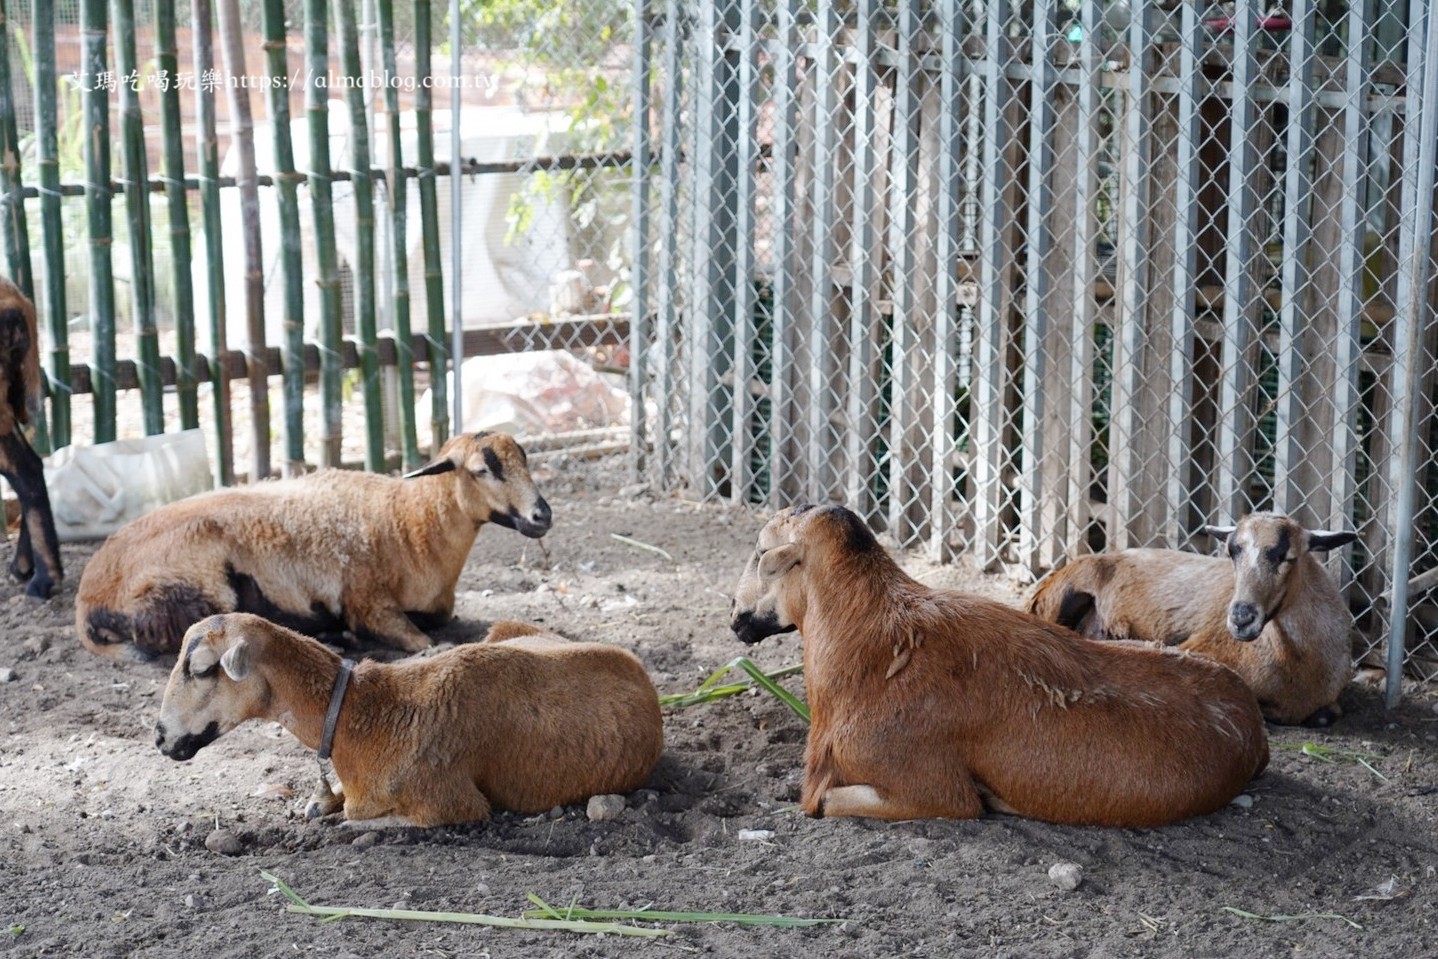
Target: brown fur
{"points": [[521, 724], [933, 703], [330, 551], [1296, 666], [36, 562]]}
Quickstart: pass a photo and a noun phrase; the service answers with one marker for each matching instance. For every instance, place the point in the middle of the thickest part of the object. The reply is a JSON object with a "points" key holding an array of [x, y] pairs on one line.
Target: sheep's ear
{"points": [[778, 561], [1323, 540], [236, 661], [433, 469], [1219, 532]]}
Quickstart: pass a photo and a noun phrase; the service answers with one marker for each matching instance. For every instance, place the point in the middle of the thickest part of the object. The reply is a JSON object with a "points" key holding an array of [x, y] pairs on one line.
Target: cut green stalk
{"points": [[710, 690], [1244, 914], [655, 915], [1331, 755], [331, 913]]}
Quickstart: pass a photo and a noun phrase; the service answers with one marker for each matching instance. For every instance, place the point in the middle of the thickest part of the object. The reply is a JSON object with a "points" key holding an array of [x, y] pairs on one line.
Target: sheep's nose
{"points": [[160, 736], [1244, 621], [541, 515]]}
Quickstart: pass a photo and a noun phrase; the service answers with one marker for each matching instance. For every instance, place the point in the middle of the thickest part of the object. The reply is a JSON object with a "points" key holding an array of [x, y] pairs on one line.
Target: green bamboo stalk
{"points": [[209, 175], [137, 210], [291, 259], [363, 184], [321, 194], [429, 226], [242, 139], [167, 60], [94, 27], [12, 197], [47, 154], [398, 217]]}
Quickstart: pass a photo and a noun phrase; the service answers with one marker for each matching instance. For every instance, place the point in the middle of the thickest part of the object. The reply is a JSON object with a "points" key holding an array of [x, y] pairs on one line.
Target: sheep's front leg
{"points": [[324, 800], [865, 800], [385, 623]]}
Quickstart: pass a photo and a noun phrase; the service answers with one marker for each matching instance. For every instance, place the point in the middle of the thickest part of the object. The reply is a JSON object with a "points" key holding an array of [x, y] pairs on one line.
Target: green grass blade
{"points": [[782, 694], [656, 915], [709, 690], [279, 884], [1245, 914], [478, 919]]}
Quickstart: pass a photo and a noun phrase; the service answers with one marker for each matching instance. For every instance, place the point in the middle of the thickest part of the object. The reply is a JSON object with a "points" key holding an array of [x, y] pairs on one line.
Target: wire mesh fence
{"points": [[1025, 280]]}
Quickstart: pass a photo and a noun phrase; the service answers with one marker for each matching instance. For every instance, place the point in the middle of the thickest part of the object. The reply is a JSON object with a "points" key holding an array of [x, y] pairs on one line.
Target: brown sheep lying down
{"points": [[336, 550], [933, 703], [524, 721], [1273, 614]]}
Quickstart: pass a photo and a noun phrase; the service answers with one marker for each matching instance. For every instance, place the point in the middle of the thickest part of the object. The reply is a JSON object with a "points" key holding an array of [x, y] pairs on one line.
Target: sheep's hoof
{"points": [[1326, 716], [40, 588]]}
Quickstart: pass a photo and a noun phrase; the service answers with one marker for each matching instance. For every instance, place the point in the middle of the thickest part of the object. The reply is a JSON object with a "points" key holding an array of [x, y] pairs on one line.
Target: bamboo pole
{"points": [[331, 328], [98, 195], [242, 136], [429, 225], [398, 188], [363, 272], [291, 260], [209, 183], [16, 232], [167, 59], [137, 213], [47, 154]]}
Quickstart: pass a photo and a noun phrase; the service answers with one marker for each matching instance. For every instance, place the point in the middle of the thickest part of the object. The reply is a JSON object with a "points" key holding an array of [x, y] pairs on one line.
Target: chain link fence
{"points": [[1026, 280]]}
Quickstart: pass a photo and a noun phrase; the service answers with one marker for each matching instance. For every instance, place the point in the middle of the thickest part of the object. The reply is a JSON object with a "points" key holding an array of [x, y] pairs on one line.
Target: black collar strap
{"points": [[337, 698]]}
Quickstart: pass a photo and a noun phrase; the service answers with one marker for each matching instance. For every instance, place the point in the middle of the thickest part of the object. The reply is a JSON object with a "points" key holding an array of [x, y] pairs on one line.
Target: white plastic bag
{"points": [[94, 490]]}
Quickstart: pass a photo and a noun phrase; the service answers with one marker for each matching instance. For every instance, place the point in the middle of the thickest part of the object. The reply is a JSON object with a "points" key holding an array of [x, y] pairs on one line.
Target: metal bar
{"points": [[101, 307], [951, 117], [137, 208], [363, 275], [903, 230], [1352, 212], [714, 164], [47, 159], [209, 170], [167, 59], [1037, 281], [291, 259], [1289, 451], [1410, 365], [1185, 277], [429, 226], [397, 187], [865, 252], [640, 162], [1085, 272], [783, 203], [742, 412], [456, 217], [1125, 462], [822, 405], [666, 308], [12, 206], [993, 281], [1235, 427]]}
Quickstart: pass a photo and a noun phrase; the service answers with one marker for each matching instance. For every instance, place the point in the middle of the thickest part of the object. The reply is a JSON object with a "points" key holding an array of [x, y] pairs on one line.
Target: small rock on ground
{"points": [[1242, 801], [605, 808], [755, 835], [1066, 875], [224, 842], [8, 675]]}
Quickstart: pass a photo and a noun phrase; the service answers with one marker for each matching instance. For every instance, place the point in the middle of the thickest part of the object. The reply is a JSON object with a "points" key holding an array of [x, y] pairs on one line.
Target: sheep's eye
{"points": [[205, 673], [479, 472]]}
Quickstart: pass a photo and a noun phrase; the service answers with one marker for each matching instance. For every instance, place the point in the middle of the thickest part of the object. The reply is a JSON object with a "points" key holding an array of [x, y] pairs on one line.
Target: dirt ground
{"points": [[102, 839]]}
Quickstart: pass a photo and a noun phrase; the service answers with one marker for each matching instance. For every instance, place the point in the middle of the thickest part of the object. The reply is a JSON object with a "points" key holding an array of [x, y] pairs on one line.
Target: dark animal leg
{"points": [[37, 552]]}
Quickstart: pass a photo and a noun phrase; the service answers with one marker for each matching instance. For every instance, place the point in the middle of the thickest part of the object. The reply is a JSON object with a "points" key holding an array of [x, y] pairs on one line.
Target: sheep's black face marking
{"points": [[750, 629], [857, 536], [1277, 553], [534, 526], [495, 467], [187, 745]]}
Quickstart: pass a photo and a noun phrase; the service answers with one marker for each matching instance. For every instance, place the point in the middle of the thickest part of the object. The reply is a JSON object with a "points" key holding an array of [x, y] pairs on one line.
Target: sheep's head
{"points": [[494, 485], [769, 598], [1265, 549], [213, 687]]}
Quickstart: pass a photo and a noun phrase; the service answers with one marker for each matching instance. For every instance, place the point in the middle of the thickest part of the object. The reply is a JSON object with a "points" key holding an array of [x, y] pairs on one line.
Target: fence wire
{"points": [[1027, 280]]}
